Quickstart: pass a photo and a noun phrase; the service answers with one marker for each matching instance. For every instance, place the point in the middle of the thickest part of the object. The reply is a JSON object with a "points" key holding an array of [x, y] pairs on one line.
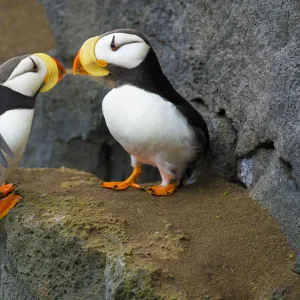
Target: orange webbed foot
{"points": [[120, 185], [160, 190], [6, 188], [123, 185], [7, 203]]}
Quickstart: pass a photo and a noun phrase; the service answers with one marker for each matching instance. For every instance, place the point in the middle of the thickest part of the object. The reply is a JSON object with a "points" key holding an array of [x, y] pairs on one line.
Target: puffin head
{"points": [[114, 52], [30, 74]]}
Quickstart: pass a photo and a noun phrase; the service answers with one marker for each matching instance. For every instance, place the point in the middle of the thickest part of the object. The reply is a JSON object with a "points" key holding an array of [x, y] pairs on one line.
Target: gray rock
{"points": [[251, 168], [297, 264], [278, 294], [278, 190], [222, 158], [241, 58]]}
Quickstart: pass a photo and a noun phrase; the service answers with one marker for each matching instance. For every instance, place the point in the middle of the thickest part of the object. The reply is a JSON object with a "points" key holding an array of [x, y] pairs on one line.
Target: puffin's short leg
{"points": [[7, 203], [166, 188], [130, 181], [6, 188]]}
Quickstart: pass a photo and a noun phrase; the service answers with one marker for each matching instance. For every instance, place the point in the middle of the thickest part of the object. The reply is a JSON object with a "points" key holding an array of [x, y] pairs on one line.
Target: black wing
{"points": [[199, 127], [196, 121]]}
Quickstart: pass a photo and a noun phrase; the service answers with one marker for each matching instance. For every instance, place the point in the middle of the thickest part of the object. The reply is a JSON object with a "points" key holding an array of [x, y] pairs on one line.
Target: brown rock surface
{"points": [[70, 239]]}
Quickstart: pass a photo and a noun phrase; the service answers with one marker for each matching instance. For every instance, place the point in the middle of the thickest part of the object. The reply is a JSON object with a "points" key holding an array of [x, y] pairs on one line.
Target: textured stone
{"points": [[277, 189], [61, 247], [240, 59], [221, 157], [254, 166]]}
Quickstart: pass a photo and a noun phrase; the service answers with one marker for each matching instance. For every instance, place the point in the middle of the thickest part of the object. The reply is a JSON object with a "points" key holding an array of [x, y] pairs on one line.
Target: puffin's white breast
{"points": [[146, 125], [15, 127]]}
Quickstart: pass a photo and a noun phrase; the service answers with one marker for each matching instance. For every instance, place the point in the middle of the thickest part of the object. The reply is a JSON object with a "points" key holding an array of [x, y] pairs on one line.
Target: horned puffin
{"points": [[21, 80], [144, 113]]}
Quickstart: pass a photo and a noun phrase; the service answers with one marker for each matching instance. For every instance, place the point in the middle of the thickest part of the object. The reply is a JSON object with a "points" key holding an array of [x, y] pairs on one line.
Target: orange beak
{"points": [[61, 70], [77, 66]]}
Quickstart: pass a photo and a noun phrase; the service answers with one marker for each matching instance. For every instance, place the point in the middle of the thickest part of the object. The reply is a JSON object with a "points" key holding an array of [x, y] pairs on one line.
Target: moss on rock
{"points": [[62, 243]]}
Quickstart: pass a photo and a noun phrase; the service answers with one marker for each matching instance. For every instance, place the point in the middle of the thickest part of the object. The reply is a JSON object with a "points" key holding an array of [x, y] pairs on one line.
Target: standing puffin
{"points": [[21, 79], [144, 113]]}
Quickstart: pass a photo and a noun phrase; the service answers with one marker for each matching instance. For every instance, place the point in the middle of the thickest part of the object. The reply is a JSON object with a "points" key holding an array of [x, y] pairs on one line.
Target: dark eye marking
{"points": [[113, 46], [35, 68]]}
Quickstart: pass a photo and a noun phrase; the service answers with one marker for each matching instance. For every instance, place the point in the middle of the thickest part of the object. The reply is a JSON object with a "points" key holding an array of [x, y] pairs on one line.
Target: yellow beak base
{"points": [[86, 61], [56, 71]]}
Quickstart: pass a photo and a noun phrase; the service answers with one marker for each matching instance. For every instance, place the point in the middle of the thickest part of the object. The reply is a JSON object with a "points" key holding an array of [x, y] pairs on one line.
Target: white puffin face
{"points": [[122, 50], [38, 72], [28, 76]]}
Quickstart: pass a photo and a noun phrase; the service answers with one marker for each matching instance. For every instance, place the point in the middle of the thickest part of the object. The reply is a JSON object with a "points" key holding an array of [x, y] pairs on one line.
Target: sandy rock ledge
{"points": [[61, 243], [69, 239]]}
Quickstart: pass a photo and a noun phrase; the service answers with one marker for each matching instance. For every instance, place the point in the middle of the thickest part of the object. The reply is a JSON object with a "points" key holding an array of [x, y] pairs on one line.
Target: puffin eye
{"points": [[113, 46], [35, 68]]}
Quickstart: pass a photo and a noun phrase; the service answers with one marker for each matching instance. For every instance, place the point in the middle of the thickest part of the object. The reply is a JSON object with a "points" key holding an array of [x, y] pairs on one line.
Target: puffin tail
{"points": [[196, 169]]}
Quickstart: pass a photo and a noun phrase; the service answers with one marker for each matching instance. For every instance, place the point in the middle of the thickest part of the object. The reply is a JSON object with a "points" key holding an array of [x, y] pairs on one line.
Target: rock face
{"points": [[238, 61]]}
